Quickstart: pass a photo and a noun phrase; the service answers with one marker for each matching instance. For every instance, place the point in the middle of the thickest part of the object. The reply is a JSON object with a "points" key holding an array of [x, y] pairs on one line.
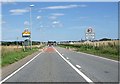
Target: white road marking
{"points": [[97, 56], [19, 69], [67, 58], [78, 66], [76, 69]]}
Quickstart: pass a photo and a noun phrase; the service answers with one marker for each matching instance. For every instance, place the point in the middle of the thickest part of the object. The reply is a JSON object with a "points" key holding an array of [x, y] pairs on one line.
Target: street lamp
{"points": [[31, 24]]}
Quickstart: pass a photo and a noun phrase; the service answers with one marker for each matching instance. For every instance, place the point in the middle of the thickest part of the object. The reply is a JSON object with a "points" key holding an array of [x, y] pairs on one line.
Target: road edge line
{"points": [[98, 57], [6, 78], [77, 70], [94, 56]]}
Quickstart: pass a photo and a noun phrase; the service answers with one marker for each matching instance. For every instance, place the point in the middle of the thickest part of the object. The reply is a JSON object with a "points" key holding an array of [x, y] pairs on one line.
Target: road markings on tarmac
{"points": [[78, 66], [76, 69], [98, 56], [95, 56], [19, 68], [67, 58]]}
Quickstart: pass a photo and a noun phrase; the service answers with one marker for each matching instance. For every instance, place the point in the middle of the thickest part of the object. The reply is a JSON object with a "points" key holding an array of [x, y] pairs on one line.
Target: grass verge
{"points": [[111, 52], [10, 57]]}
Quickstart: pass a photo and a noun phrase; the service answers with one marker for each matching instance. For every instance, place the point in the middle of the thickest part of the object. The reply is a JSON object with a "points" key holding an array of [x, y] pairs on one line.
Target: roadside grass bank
{"points": [[108, 51], [11, 55]]}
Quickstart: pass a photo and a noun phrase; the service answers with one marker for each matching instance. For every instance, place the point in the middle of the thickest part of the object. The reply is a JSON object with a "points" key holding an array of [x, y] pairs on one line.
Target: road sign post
{"points": [[26, 34]]}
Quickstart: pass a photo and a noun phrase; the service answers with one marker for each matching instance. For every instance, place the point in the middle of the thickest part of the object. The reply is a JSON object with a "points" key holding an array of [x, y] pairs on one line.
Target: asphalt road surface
{"points": [[57, 64]]}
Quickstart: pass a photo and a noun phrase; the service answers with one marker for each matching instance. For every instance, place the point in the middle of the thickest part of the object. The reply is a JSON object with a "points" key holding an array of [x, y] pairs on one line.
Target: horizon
{"points": [[58, 41]]}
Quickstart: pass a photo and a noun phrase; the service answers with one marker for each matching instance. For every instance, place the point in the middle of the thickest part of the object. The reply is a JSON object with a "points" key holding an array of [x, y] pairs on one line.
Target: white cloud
{"points": [[57, 25], [57, 14], [55, 22], [64, 7], [26, 23], [39, 17], [18, 11], [53, 17]]}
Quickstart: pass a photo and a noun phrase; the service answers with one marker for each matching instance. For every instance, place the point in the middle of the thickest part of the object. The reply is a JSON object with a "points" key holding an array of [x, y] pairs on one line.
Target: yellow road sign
{"points": [[26, 33]]}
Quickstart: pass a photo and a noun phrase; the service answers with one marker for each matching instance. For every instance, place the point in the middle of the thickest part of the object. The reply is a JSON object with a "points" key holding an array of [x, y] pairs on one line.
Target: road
{"points": [[57, 64]]}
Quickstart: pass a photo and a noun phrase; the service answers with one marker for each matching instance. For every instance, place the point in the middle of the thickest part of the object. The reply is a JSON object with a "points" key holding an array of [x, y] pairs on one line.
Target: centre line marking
{"points": [[19, 68], [77, 70]]}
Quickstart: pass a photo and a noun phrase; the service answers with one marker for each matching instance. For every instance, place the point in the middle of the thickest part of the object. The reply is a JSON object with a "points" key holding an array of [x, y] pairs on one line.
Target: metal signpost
{"points": [[26, 34]]}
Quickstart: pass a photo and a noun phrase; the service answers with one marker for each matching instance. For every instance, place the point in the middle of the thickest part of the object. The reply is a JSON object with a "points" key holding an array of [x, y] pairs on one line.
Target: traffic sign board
{"points": [[89, 34], [26, 33]]}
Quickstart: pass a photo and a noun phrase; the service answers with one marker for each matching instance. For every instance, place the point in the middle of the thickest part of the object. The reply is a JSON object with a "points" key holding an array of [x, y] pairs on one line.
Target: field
{"points": [[11, 54], [108, 49]]}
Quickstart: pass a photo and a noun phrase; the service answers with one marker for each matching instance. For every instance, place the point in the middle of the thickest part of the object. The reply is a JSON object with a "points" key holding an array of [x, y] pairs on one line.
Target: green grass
{"points": [[110, 52], [11, 57]]}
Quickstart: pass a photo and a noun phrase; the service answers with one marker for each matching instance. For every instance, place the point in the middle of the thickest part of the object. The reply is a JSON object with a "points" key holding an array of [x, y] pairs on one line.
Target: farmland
{"points": [[108, 49]]}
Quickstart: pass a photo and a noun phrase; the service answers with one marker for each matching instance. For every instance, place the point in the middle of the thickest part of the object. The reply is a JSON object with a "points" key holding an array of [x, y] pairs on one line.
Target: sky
{"points": [[59, 21]]}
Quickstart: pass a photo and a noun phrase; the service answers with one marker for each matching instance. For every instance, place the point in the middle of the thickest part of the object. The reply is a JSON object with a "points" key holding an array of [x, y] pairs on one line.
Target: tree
{"points": [[105, 39]]}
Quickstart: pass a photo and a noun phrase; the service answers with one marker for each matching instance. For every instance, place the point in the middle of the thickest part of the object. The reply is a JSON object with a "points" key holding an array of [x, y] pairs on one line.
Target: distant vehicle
{"points": [[51, 43]]}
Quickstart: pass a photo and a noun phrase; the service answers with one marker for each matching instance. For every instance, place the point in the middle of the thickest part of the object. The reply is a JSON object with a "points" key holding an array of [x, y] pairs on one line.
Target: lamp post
{"points": [[31, 24]]}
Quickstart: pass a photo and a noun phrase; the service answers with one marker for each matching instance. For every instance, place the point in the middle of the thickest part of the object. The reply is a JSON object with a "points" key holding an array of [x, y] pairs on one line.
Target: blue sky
{"points": [[60, 21]]}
